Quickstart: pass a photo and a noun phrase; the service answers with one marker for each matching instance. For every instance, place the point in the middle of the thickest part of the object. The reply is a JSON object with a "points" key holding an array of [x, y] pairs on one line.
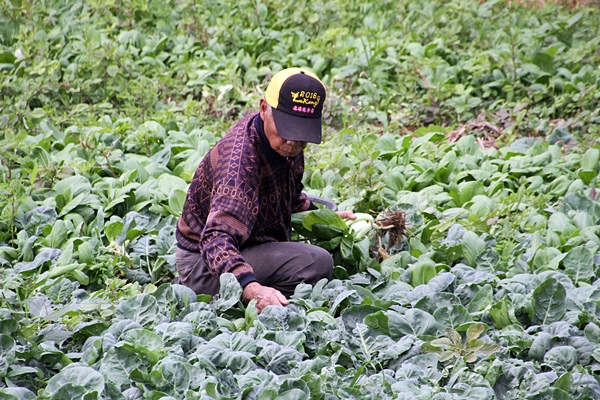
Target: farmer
{"points": [[238, 208]]}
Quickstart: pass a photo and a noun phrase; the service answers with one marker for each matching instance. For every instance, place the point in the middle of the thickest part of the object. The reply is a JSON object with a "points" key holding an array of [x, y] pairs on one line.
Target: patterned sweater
{"points": [[242, 194]]}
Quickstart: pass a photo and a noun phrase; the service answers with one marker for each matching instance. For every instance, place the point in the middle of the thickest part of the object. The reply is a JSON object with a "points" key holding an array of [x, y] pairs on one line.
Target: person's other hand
{"points": [[346, 214], [264, 296]]}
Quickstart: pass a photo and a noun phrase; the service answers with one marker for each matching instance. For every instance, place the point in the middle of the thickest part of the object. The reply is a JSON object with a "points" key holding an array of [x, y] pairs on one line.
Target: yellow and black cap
{"points": [[296, 97]]}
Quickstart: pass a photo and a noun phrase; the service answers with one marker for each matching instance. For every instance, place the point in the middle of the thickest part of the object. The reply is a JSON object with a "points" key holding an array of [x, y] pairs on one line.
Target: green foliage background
{"points": [[106, 108], [399, 63]]}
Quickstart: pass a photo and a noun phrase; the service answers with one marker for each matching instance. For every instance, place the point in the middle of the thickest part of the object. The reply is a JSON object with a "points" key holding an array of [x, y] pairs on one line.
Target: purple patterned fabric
{"points": [[242, 194]]}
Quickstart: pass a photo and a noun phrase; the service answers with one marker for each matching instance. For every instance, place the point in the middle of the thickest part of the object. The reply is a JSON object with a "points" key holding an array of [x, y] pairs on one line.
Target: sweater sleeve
{"points": [[233, 210]]}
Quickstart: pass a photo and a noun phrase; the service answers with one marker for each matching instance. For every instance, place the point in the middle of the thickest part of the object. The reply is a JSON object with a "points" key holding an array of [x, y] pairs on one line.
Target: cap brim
{"points": [[300, 129]]}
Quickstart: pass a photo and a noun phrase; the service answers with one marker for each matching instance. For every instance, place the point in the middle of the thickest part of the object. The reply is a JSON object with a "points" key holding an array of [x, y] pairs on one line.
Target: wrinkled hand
{"points": [[264, 296], [346, 214]]}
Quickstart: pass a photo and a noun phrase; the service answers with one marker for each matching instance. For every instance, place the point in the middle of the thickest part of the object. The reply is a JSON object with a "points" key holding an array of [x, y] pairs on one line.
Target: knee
{"points": [[322, 264]]}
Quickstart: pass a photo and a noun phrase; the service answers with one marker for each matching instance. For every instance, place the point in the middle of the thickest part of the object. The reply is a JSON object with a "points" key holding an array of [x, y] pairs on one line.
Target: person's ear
{"points": [[263, 108]]}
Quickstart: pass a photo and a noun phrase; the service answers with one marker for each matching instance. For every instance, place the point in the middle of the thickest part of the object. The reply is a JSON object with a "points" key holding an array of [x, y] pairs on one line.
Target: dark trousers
{"points": [[281, 265]]}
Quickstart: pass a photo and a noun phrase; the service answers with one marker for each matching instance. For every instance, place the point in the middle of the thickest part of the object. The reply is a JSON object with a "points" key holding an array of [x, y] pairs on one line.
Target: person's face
{"points": [[286, 148]]}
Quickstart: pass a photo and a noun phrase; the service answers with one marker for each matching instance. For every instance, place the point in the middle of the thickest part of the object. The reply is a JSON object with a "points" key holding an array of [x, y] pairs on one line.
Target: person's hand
{"points": [[346, 214], [264, 296]]}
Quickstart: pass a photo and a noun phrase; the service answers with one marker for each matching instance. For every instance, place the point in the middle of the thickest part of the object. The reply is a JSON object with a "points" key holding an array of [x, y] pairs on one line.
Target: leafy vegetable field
{"points": [[474, 124]]}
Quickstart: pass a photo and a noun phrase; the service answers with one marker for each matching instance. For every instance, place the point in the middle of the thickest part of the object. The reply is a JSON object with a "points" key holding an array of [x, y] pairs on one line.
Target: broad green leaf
{"points": [[546, 257], [72, 391], [481, 207], [584, 348], [472, 246], [538, 279], [177, 333], [579, 202], [42, 257], [554, 393], [40, 306], [7, 58], [592, 333], [54, 333], [432, 301], [134, 225], [142, 309], [8, 326], [591, 160], [586, 176], [146, 344], [86, 253], [441, 281], [481, 300], [545, 62], [120, 197], [326, 232], [422, 272], [230, 292], [112, 70], [561, 358], [467, 190], [293, 394], [73, 186], [451, 317], [540, 346], [61, 291], [360, 251], [279, 359], [58, 235], [579, 264], [503, 314], [292, 339], [60, 270], [387, 145], [560, 135], [445, 167], [17, 393], [176, 201], [203, 322], [549, 302], [297, 225], [378, 321], [423, 180], [166, 243], [475, 330], [113, 228], [553, 240], [325, 217], [89, 328], [118, 363], [86, 377], [413, 322], [354, 315], [583, 220], [282, 319], [72, 204], [346, 252], [323, 317], [7, 354], [66, 256], [233, 351], [565, 382], [395, 179], [78, 275], [180, 374]]}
